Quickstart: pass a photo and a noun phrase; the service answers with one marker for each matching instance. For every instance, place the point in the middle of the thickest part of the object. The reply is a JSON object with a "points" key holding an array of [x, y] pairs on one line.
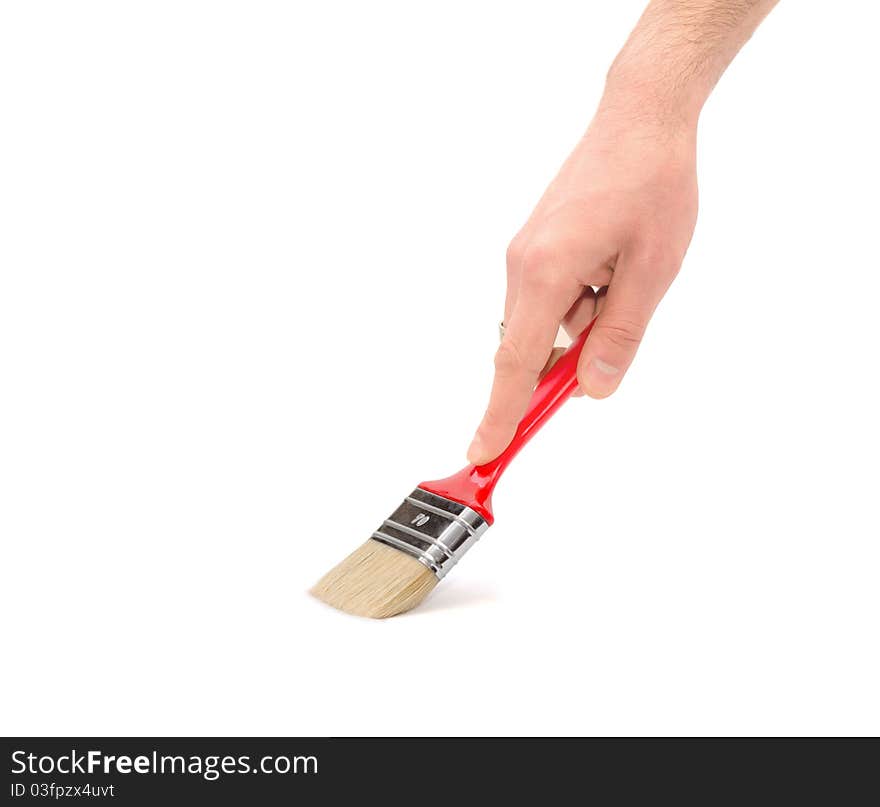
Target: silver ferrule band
{"points": [[434, 530]]}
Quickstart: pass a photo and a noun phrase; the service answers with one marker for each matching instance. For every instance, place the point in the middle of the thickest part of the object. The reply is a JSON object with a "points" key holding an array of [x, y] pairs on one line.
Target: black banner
{"points": [[123, 771]]}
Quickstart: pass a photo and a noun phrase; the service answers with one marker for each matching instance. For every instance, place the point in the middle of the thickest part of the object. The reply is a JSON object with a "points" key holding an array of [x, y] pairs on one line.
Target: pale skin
{"points": [[619, 215]]}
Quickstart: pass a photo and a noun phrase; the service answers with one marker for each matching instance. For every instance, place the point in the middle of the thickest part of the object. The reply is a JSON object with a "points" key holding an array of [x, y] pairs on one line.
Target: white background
{"points": [[251, 266]]}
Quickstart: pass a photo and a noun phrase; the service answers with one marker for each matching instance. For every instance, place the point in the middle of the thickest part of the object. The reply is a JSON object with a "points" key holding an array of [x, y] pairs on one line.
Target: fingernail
{"points": [[476, 451], [601, 378]]}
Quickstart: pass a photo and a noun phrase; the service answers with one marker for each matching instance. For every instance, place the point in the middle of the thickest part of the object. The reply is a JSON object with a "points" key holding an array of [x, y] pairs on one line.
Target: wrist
{"points": [[645, 94], [642, 99]]}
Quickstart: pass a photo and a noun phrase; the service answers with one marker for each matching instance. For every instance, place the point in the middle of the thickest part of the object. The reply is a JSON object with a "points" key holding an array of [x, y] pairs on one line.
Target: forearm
{"points": [[676, 54]]}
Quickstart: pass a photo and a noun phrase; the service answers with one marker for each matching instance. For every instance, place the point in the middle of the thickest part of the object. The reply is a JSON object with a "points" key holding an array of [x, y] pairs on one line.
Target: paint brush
{"points": [[436, 524]]}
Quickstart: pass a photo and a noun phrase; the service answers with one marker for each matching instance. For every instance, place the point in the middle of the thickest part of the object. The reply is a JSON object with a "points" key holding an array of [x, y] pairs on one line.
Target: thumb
{"points": [[617, 334]]}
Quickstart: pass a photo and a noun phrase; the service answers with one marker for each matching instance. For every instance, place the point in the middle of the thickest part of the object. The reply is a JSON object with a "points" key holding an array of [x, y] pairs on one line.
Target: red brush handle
{"points": [[473, 485]]}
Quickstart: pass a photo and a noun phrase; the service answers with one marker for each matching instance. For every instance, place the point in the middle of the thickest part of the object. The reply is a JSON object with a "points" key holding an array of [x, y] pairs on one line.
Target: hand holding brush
{"points": [[618, 217]]}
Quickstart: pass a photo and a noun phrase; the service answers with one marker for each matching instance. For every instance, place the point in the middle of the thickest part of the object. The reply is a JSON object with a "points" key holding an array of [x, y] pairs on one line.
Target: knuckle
{"points": [[542, 268], [659, 257], [508, 360], [512, 359], [515, 252], [539, 256], [623, 332]]}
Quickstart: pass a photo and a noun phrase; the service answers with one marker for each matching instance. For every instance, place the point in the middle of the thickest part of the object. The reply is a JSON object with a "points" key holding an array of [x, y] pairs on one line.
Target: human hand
{"points": [[618, 217]]}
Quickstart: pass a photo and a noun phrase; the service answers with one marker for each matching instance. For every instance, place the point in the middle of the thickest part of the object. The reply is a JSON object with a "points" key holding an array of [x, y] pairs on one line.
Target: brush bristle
{"points": [[376, 581]]}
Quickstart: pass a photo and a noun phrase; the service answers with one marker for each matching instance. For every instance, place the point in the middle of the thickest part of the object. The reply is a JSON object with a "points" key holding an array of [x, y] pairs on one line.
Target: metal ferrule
{"points": [[434, 530]]}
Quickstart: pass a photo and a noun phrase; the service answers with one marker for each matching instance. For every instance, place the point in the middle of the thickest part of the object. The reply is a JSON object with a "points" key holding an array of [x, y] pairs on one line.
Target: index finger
{"points": [[523, 352]]}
